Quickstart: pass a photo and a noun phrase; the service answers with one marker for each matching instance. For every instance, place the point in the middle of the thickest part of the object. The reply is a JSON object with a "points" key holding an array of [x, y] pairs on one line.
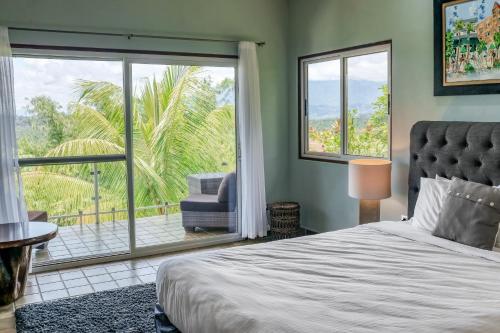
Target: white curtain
{"points": [[12, 207], [253, 190]]}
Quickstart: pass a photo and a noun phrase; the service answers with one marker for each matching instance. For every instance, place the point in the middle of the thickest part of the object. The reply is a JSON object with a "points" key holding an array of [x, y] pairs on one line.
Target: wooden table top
{"points": [[28, 233]]}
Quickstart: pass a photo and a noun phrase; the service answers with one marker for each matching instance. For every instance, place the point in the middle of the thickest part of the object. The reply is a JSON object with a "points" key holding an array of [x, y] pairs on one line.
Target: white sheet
{"points": [[384, 277]]}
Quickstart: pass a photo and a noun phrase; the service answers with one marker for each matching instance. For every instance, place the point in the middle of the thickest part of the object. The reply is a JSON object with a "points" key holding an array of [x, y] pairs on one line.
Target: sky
{"points": [[56, 77], [470, 9], [372, 67], [143, 72]]}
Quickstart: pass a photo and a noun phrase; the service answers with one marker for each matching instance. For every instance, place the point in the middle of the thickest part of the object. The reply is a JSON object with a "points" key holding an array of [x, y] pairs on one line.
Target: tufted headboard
{"points": [[468, 150]]}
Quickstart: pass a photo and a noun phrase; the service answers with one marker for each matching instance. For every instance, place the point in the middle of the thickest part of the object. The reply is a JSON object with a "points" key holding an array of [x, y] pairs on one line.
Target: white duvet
{"points": [[384, 277]]}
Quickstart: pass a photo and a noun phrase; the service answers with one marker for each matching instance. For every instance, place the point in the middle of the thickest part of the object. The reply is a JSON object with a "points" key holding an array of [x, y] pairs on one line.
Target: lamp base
{"points": [[369, 211]]}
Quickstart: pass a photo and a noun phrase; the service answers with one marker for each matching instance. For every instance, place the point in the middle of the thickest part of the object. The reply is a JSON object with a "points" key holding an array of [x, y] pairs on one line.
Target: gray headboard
{"points": [[468, 150]]}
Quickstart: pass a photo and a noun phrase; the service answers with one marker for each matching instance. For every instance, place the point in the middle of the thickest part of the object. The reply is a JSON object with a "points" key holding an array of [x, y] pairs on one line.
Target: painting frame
{"points": [[441, 87]]}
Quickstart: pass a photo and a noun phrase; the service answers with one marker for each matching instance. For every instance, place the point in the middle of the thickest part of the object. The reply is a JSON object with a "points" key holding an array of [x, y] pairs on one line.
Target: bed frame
{"points": [[162, 323], [468, 150]]}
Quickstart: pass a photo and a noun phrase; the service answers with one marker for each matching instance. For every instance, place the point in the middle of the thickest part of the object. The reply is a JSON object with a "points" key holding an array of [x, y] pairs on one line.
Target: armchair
{"points": [[212, 210]]}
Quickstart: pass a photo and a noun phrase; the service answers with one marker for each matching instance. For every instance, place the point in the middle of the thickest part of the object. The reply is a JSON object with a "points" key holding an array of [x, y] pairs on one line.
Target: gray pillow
{"points": [[470, 214]]}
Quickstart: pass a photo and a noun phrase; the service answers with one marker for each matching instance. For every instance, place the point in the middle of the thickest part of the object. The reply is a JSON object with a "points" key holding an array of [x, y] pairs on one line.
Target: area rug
{"points": [[129, 309]]}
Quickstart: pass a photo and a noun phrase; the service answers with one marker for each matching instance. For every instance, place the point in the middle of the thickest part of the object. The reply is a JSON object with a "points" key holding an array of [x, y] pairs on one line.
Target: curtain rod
{"points": [[132, 35]]}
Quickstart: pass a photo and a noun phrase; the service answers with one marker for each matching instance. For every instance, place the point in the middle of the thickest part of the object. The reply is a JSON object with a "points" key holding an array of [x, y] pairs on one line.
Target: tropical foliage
{"points": [[366, 137], [180, 127], [465, 52]]}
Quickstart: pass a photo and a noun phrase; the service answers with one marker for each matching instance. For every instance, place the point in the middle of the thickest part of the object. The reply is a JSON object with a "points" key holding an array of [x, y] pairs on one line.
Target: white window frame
{"points": [[342, 55]]}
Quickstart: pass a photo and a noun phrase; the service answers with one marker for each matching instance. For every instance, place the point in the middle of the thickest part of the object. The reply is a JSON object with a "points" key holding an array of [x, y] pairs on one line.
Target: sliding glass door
{"points": [[126, 152], [184, 145], [70, 130]]}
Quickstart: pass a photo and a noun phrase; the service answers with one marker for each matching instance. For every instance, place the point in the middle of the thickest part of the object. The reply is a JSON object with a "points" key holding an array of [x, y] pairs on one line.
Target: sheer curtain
{"points": [[253, 190], [12, 207]]}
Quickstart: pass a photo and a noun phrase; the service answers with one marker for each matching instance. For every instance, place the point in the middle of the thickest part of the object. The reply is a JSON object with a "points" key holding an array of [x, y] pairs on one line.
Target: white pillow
{"points": [[443, 179], [429, 202]]}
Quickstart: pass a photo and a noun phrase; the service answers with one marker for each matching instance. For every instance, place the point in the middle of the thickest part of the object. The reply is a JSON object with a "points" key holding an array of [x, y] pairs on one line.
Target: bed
{"points": [[382, 277]]}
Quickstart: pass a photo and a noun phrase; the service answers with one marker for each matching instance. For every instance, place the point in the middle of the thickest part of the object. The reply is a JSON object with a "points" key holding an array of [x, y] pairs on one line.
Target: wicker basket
{"points": [[285, 220]]}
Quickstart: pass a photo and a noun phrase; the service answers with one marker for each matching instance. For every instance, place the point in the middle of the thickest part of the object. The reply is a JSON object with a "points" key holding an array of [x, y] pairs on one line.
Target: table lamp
{"points": [[369, 181]]}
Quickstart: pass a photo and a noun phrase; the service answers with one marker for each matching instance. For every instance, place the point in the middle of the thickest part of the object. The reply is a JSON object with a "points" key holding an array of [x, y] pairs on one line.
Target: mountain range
{"points": [[324, 97]]}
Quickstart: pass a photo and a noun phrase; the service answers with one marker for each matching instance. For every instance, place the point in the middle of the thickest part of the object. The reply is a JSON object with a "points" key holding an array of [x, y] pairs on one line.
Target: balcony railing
{"points": [[207, 183], [81, 215]]}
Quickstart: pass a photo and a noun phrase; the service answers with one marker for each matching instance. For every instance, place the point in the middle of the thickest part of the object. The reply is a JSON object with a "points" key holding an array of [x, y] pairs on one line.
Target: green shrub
{"points": [[469, 68]]}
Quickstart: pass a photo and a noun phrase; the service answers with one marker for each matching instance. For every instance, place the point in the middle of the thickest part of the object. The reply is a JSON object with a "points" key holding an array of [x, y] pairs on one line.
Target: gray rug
{"points": [[128, 309]]}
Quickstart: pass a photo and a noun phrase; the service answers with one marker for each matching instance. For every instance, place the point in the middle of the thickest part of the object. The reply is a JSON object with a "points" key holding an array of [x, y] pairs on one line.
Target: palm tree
{"points": [[497, 43], [449, 47], [459, 27], [177, 130], [469, 28], [482, 47], [492, 55]]}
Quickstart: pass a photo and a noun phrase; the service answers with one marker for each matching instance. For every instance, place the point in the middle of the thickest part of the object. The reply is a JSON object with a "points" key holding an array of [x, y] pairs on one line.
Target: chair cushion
{"points": [[205, 203], [227, 188]]}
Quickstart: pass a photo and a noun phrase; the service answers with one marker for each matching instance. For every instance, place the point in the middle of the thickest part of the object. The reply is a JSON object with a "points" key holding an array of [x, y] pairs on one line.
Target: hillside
{"points": [[325, 99]]}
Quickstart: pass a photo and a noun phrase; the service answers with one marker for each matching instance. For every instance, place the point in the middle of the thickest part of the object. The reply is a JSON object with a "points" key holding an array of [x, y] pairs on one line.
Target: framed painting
{"points": [[467, 47]]}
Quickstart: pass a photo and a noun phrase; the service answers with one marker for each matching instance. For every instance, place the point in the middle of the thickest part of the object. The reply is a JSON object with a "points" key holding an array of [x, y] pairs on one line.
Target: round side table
{"points": [[16, 240]]}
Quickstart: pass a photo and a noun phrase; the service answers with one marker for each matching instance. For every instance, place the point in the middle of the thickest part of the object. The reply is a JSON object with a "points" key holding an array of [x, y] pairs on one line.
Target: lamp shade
{"points": [[370, 179]]}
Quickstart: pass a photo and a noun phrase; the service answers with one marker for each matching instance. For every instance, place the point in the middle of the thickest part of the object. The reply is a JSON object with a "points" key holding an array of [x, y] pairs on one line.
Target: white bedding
{"points": [[384, 277]]}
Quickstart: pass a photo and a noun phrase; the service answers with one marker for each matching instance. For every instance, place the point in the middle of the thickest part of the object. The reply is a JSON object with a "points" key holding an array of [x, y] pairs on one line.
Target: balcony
{"points": [[86, 156], [90, 208], [102, 228], [83, 240]]}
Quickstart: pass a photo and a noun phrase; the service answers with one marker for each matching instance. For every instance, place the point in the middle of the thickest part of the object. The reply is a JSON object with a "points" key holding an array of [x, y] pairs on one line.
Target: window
{"points": [[56, 95], [345, 104], [111, 143], [193, 110], [70, 122]]}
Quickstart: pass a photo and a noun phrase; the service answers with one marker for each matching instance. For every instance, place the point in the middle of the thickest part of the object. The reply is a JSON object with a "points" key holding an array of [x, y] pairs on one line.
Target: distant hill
{"points": [[227, 96], [23, 126], [325, 99]]}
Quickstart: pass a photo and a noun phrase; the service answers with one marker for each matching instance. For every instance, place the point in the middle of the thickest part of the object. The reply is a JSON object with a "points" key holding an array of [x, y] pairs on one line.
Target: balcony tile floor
{"points": [[108, 238]]}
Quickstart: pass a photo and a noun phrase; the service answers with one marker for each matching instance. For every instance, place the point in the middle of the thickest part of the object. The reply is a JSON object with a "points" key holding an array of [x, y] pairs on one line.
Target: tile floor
{"points": [[106, 238], [79, 281]]}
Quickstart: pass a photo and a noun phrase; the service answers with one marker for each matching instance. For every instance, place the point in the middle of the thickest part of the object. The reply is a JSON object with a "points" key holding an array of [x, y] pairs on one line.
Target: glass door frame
{"points": [[128, 59]]}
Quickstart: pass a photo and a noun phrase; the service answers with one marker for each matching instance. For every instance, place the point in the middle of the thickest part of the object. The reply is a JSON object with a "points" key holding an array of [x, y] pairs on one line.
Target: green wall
{"points": [[231, 19], [291, 28], [322, 25]]}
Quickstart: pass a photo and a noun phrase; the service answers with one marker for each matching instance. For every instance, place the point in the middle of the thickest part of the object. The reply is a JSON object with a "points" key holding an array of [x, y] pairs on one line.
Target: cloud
{"points": [[56, 78], [143, 72], [372, 67], [473, 10], [324, 71]]}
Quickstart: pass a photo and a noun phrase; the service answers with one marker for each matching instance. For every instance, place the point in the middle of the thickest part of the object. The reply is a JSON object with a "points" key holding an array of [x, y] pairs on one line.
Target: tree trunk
{"points": [[468, 54]]}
